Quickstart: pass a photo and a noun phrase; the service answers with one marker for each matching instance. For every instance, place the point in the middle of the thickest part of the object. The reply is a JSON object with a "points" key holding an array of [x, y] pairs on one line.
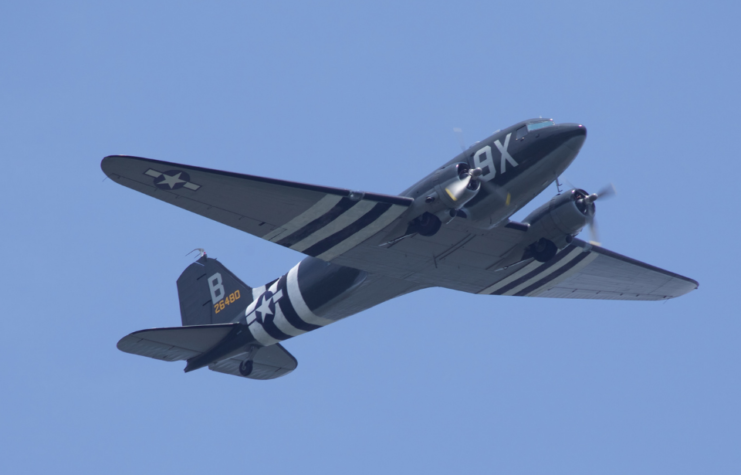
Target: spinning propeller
{"points": [[459, 134], [456, 190], [469, 179], [589, 200]]}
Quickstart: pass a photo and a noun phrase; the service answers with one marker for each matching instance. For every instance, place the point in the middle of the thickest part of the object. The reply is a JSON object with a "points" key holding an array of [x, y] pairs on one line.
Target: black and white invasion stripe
{"points": [[295, 297], [334, 225], [537, 277]]}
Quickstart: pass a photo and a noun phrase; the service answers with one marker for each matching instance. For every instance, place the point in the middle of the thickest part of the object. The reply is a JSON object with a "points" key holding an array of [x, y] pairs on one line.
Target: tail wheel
{"points": [[245, 367]]}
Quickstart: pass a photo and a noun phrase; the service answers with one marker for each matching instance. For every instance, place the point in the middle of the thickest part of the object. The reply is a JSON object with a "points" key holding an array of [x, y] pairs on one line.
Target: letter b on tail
{"points": [[216, 286], [209, 293]]}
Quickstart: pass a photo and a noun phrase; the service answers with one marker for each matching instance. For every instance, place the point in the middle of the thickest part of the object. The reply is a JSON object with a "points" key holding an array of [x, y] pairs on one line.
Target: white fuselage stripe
{"points": [[297, 300], [279, 319], [256, 328], [318, 209], [284, 325], [257, 292]]}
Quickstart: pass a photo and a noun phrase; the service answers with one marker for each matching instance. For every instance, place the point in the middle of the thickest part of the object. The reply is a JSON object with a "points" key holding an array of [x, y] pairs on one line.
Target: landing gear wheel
{"points": [[428, 224], [245, 368], [544, 250]]}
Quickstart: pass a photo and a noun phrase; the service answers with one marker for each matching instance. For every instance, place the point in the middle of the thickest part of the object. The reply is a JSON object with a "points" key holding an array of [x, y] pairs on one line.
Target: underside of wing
{"points": [[458, 256], [318, 221], [585, 271], [494, 262], [359, 230]]}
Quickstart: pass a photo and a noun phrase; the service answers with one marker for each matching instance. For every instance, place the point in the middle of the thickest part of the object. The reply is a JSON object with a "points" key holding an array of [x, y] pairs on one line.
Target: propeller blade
{"points": [[607, 191], [593, 232], [459, 134], [569, 185], [456, 189]]}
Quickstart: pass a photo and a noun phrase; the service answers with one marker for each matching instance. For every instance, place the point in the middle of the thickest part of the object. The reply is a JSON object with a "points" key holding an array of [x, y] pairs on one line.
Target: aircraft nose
{"points": [[573, 130], [553, 138], [573, 134]]}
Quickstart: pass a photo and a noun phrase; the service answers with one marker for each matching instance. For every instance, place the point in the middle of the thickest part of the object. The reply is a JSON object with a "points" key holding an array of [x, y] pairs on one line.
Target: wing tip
{"points": [[601, 250], [107, 164]]}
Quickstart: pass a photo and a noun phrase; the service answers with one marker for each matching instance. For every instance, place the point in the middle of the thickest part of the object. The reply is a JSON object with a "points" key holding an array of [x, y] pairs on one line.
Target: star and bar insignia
{"points": [[172, 180]]}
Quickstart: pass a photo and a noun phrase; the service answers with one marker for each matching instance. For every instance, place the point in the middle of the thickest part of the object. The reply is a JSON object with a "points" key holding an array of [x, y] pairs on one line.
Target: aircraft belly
{"points": [[314, 294], [458, 257], [375, 290]]}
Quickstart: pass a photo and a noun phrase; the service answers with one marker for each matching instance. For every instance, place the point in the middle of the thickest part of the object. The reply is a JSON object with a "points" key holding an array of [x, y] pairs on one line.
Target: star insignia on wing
{"points": [[172, 180]]}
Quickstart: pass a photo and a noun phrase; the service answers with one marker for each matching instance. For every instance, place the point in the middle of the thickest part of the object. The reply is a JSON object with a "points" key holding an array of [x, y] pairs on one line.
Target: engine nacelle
{"points": [[450, 188], [563, 217], [450, 180]]}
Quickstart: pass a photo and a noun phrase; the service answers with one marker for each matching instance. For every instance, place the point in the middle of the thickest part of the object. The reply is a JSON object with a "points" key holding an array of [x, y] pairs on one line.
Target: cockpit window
{"points": [[539, 125], [521, 132]]}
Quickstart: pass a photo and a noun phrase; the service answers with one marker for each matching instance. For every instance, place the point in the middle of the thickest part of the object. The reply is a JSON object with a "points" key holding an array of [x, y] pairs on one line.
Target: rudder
{"points": [[209, 293]]}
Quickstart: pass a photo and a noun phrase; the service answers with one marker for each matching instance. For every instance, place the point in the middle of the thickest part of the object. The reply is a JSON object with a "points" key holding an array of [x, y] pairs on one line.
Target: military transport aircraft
{"points": [[451, 229]]}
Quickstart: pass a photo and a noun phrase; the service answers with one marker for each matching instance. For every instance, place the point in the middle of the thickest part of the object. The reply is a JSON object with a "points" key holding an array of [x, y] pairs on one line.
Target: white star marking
{"points": [[171, 180], [265, 307]]}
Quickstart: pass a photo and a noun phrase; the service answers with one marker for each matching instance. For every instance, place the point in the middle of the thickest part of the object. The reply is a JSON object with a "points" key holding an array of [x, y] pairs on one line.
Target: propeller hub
{"points": [[585, 204]]}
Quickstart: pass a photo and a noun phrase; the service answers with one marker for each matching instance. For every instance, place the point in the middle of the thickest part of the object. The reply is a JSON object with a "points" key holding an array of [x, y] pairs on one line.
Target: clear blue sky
{"points": [[365, 96]]}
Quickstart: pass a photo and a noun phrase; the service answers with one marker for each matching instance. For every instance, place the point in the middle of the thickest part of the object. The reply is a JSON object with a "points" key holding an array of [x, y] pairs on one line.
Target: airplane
{"points": [[451, 229]]}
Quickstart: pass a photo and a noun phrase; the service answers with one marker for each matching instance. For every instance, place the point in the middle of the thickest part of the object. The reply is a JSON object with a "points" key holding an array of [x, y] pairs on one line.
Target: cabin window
{"points": [[521, 133], [539, 125]]}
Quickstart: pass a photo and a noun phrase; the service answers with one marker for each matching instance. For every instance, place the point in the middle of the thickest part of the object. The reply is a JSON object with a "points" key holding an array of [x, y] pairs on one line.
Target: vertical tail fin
{"points": [[209, 293]]}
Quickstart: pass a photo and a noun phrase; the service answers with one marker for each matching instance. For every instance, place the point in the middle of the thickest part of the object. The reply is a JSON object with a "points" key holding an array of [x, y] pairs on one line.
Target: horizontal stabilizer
{"points": [[176, 343], [270, 362], [186, 343]]}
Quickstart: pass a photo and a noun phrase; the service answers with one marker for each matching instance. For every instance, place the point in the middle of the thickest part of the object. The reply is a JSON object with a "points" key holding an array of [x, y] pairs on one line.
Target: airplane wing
{"points": [[468, 259], [351, 229], [183, 343], [319, 221], [585, 271]]}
